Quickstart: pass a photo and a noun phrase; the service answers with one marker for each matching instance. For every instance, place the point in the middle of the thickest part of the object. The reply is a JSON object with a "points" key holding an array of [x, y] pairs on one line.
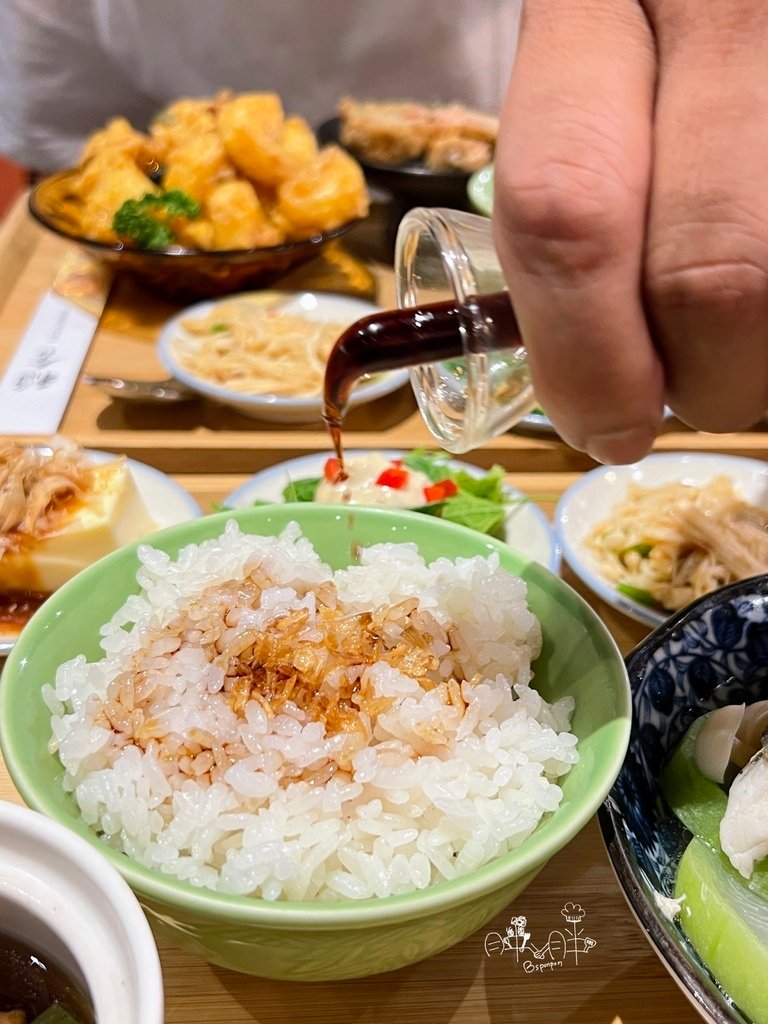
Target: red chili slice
{"points": [[394, 477], [441, 490], [332, 470]]}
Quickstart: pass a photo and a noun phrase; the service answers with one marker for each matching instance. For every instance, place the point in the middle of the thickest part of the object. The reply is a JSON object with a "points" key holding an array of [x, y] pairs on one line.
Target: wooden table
{"points": [[210, 451]]}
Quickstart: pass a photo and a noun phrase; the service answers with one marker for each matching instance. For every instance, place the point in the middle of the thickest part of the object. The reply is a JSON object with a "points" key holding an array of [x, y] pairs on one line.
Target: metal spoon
{"points": [[169, 390]]}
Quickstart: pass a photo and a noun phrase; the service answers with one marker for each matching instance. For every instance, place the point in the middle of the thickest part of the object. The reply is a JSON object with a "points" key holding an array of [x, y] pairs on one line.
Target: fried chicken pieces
{"points": [[257, 174], [445, 138]]}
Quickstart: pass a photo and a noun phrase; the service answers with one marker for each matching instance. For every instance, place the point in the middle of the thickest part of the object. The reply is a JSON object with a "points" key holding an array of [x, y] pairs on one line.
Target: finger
{"points": [[707, 277], [572, 174]]}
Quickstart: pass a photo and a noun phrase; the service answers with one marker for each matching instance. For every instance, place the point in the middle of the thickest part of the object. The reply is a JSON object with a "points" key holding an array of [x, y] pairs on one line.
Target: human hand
{"points": [[631, 214]]}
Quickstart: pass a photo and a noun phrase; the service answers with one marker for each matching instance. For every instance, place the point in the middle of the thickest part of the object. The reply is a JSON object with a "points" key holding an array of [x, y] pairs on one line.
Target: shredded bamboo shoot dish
{"points": [[246, 347], [666, 546]]}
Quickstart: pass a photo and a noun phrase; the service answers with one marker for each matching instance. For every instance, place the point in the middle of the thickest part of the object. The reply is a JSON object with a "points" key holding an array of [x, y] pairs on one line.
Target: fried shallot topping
{"points": [[248, 643], [319, 666], [314, 662]]}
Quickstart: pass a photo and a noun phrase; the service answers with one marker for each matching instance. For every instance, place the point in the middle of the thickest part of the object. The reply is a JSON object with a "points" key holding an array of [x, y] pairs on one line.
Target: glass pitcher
{"points": [[455, 329]]}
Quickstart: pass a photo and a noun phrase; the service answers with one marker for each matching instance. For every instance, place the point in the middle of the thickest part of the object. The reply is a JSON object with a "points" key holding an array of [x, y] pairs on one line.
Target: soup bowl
{"points": [[710, 654], [63, 901], [353, 938]]}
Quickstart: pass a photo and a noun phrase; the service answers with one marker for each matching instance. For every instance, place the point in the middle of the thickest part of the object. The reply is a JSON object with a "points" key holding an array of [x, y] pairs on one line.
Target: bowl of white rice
{"points": [[318, 743]]}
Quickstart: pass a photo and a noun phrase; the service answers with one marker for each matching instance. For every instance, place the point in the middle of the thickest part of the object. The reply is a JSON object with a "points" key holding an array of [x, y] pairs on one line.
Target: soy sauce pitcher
{"points": [[454, 328]]}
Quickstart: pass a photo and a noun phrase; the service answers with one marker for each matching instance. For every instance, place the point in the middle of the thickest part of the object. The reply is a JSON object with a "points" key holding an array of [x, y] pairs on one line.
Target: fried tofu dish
{"points": [[224, 173]]}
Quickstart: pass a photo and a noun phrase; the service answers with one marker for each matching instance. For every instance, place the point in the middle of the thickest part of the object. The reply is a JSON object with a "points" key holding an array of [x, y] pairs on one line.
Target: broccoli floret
{"points": [[147, 221], [179, 204], [133, 223]]}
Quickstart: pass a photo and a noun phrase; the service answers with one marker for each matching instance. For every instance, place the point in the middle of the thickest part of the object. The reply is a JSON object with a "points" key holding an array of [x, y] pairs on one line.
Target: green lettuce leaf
{"points": [[301, 490]]}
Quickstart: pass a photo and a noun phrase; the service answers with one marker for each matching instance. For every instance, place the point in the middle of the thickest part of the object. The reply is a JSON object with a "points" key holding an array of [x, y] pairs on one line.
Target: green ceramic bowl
{"points": [[346, 940]]}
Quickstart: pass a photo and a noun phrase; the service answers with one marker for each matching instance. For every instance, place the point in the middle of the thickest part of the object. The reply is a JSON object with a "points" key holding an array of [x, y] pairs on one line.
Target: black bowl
{"points": [[412, 182]]}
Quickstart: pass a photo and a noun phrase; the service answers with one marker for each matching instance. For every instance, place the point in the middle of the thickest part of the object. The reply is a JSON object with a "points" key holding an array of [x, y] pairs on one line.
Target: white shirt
{"points": [[66, 66]]}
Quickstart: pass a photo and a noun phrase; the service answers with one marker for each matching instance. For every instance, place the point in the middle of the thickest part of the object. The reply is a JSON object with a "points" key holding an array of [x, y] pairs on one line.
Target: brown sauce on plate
{"points": [[17, 607]]}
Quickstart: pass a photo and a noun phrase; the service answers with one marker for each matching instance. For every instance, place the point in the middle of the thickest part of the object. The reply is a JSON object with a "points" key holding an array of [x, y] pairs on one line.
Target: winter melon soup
{"points": [[34, 989], [716, 782], [262, 724]]}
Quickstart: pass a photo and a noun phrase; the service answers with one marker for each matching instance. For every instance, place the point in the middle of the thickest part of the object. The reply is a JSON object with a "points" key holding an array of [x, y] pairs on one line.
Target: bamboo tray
{"points": [[194, 437]]}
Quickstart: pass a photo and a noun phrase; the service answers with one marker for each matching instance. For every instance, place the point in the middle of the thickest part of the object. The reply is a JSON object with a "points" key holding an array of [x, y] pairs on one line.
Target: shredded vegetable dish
{"points": [[252, 349], [37, 489], [665, 546]]}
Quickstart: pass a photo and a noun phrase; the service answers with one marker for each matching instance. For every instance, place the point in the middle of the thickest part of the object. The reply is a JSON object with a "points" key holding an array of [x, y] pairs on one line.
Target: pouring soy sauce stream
{"points": [[407, 337], [469, 369]]}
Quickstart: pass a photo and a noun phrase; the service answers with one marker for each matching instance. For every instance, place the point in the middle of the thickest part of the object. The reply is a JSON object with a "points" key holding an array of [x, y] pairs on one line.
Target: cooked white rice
{"points": [[169, 769]]}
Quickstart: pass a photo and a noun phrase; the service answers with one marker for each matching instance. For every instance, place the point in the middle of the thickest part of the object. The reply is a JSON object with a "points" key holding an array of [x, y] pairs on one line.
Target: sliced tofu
{"points": [[113, 514]]}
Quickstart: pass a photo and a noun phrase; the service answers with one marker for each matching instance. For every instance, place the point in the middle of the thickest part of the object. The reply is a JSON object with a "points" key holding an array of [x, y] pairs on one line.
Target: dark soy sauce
{"points": [[32, 982], [18, 606], [408, 337]]}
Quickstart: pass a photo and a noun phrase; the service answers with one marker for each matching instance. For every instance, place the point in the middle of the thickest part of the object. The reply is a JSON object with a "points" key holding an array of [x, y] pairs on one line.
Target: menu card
{"points": [[38, 383]]}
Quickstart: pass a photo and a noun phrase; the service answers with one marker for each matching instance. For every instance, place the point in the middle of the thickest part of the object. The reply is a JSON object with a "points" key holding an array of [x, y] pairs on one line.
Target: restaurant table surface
{"points": [[210, 451]]}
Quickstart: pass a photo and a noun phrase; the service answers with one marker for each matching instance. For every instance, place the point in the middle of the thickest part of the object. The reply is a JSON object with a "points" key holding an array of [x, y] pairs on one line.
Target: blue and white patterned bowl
{"points": [[711, 653]]}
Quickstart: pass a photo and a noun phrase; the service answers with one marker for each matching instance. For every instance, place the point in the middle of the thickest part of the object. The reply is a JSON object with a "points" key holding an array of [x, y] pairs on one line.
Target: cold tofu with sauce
{"points": [[59, 513]]}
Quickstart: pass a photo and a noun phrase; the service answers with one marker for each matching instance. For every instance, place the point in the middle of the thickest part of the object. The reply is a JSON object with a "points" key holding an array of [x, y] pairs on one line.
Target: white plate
{"points": [[526, 529], [593, 497], [323, 307], [166, 501], [538, 424]]}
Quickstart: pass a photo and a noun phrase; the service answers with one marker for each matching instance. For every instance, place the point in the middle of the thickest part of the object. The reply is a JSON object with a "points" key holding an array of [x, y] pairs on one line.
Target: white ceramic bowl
{"points": [[526, 528], [63, 898], [319, 306], [592, 498]]}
